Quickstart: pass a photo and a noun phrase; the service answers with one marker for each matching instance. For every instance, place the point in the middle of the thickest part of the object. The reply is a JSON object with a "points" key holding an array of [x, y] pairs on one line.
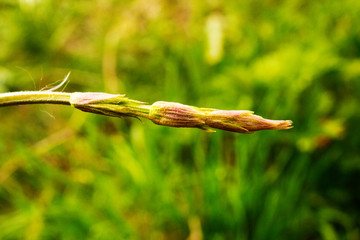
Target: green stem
{"points": [[34, 97]]}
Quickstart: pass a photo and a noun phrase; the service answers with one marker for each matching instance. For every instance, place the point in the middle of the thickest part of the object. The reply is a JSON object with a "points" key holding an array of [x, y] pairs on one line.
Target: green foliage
{"points": [[65, 174]]}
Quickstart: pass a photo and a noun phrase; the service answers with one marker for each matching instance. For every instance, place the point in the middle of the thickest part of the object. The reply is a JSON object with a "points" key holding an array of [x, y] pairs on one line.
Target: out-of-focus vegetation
{"points": [[65, 174]]}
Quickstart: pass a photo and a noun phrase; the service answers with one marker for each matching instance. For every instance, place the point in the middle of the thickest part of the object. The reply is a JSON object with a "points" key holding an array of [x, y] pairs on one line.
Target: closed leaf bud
{"points": [[176, 115]]}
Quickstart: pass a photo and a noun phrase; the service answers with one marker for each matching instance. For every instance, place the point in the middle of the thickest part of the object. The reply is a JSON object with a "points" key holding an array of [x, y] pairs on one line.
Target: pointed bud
{"points": [[243, 121], [175, 114]]}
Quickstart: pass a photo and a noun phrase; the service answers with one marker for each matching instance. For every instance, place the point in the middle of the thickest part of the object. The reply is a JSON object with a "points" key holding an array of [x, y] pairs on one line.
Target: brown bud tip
{"points": [[176, 115], [243, 121]]}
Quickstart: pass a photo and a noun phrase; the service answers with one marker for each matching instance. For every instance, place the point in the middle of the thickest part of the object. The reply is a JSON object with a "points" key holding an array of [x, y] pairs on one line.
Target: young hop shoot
{"points": [[169, 114]]}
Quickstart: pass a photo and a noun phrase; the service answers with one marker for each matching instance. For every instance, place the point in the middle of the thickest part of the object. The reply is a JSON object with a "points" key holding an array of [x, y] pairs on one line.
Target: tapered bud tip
{"points": [[256, 123], [282, 124], [243, 122]]}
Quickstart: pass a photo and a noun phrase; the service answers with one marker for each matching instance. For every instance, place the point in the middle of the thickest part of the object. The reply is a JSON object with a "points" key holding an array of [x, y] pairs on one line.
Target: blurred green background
{"points": [[65, 174]]}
